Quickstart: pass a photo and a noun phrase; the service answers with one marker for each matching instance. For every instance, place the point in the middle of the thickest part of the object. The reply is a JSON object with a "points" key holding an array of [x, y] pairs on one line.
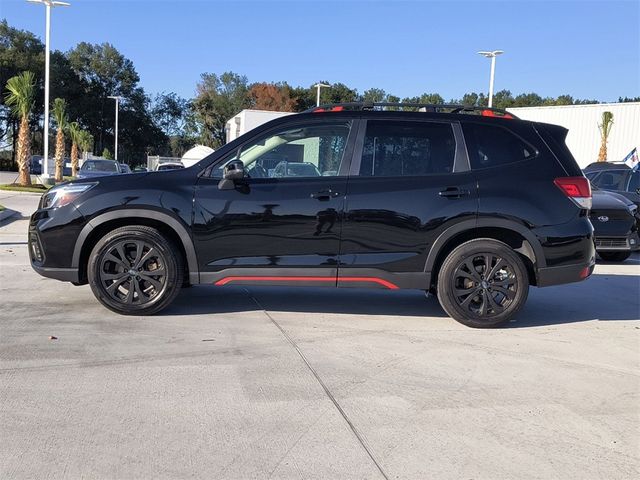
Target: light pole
{"points": [[492, 55], [319, 86], [48, 4], [115, 153]]}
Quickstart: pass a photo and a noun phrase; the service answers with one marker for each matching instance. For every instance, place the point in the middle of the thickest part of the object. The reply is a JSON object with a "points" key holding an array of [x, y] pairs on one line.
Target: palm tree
{"points": [[86, 141], [60, 114], [20, 98], [605, 130], [75, 133]]}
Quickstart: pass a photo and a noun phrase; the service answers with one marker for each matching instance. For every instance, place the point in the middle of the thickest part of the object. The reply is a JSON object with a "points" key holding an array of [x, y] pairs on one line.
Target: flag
{"points": [[632, 160]]}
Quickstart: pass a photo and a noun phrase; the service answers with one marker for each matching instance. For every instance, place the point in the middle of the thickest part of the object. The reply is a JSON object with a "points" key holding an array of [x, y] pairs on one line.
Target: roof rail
{"points": [[421, 107]]}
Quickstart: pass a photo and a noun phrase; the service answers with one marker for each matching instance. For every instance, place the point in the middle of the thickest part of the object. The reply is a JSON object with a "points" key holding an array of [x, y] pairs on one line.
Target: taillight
{"points": [[577, 189]]}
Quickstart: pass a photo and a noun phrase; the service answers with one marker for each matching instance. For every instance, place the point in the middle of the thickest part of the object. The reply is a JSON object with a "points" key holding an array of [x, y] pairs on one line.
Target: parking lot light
{"points": [[48, 4], [492, 55], [320, 85]]}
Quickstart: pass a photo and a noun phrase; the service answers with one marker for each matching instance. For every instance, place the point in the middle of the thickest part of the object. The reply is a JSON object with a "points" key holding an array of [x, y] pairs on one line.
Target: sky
{"points": [[585, 48]]}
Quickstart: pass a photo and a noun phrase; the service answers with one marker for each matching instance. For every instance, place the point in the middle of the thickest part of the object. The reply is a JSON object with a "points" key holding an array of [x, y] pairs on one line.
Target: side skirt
{"points": [[317, 277]]}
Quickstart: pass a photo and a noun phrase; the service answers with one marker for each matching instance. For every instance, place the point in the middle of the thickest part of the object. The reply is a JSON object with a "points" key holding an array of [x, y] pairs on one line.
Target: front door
{"points": [[281, 223]]}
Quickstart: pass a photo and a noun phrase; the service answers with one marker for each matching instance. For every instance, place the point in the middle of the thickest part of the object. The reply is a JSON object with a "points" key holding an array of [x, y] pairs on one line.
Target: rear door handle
{"points": [[325, 195], [453, 192]]}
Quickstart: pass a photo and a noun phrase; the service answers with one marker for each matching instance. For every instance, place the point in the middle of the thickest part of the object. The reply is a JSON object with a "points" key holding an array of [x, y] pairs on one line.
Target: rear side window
{"points": [[394, 149], [492, 146], [611, 180]]}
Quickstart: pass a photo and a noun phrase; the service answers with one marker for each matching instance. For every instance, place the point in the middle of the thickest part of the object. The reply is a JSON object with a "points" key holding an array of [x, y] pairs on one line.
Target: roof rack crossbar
{"points": [[425, 107]]}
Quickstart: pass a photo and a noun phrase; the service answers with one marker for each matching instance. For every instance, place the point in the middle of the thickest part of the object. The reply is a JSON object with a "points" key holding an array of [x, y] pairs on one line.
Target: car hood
{"points": [[602, 199]]}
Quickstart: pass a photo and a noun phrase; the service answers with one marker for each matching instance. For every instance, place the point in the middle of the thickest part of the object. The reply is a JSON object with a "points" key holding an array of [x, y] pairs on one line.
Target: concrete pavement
{"points": [[310, 383]]}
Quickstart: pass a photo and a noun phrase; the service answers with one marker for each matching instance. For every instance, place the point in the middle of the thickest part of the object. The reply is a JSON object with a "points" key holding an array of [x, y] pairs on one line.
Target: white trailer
{"points": [[248, 120], [582, 122]]}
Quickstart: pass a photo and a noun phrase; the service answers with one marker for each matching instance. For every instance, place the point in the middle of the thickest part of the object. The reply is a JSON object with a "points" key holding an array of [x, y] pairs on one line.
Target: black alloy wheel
{"points": [[482, 283], [135, 271]]}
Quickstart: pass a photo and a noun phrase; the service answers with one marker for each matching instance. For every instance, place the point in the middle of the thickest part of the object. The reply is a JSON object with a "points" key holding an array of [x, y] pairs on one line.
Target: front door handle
{"points": [[453, 192], [325, 195]]}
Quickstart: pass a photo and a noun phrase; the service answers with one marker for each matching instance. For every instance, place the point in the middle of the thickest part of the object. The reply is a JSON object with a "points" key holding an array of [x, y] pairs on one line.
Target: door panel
{"points": [[405, 190], [284, 220]]}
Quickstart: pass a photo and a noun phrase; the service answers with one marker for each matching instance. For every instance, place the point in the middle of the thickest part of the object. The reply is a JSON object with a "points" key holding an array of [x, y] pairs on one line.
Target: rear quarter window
{"points": [[492, 146]]}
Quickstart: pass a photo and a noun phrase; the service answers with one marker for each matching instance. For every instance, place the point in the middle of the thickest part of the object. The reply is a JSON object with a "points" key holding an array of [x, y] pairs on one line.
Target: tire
{"points": [[494, 297], [614, 256], [135, 270]]}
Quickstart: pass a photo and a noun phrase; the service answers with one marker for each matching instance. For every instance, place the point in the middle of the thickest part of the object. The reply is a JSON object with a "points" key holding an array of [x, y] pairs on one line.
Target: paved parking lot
{"points": [[265, 382]]}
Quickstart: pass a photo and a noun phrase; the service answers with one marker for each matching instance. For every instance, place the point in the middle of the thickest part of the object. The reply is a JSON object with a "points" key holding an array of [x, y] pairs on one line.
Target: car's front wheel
{"points": [[614, 256], [135, 270], [483, 283]]}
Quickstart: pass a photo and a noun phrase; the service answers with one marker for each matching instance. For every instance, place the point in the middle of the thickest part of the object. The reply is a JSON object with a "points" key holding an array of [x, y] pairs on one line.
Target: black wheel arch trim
{"points": [[170, 221], [451, 232]]}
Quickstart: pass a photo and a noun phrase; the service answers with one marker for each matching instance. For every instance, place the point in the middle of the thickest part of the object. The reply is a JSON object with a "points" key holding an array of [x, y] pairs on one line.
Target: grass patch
{"points": [[1, 208], [35, 188]]}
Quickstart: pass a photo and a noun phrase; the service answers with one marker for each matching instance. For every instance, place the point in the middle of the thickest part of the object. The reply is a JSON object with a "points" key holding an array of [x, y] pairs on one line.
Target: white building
{"points": [[582, 122], [248, 120]]}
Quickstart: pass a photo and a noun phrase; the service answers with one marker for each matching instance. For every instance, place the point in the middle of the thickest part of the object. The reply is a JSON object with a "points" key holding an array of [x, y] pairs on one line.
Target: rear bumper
{"points": [[565, 274]]}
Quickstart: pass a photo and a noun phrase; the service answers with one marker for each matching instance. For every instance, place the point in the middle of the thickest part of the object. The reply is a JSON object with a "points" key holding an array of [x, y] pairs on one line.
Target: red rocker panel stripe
{"points": [[379, 281]]}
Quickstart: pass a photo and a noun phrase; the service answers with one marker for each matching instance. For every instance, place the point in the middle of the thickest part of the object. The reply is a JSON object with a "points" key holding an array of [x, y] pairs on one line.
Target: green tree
{"points": [[106, 153], [218, 99], [374, 95], [20, 98], [59, 112], [20, 51]]}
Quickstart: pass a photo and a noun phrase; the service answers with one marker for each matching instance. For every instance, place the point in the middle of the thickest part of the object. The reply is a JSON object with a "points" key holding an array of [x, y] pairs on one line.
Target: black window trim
{"points": [[461, 158], [535, 155], [352, 122]]}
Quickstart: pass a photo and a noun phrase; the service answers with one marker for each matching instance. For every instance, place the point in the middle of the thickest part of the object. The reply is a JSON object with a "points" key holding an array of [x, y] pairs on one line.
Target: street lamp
{"points": [[115, 153], [492, 55], [48, 4], [319, 86]]}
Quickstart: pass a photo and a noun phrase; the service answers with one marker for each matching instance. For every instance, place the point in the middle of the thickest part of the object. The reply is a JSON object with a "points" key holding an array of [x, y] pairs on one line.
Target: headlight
{"points": [[65, 194]]}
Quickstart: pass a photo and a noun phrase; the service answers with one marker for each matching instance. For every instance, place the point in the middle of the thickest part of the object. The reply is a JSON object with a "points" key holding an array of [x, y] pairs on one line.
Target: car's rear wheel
{"points": [[135, 270], [483, 283], [614, 256]]}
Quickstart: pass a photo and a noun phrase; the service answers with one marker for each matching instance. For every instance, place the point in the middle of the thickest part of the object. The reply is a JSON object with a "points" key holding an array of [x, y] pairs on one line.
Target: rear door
{"points": [[409, 181]]}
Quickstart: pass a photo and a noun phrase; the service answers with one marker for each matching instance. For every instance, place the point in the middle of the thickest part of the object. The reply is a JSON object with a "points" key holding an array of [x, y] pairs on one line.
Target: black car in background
{"points": [[470, 203], [615, 177], [616, 222]]}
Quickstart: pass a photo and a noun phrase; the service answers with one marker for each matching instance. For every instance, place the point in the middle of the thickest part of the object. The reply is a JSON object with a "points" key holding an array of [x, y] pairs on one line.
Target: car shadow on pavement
{"points": [[602, 298]]}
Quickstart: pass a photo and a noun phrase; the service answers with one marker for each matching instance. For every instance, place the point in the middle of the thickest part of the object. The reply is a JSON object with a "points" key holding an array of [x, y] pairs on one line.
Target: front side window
{"points": [[394, 149], [493, 146], [304, 151]]}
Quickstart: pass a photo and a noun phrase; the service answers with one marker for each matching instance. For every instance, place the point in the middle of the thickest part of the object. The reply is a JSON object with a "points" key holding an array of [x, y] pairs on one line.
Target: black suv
{"points": [[471, 203]]}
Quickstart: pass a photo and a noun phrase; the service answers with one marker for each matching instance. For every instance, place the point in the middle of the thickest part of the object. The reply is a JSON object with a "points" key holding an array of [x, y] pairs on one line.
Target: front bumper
{"points": [[52, 236], [630, 243]]}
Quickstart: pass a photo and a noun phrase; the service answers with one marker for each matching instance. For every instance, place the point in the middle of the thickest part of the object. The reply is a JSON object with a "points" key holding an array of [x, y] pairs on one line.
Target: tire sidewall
{"points": [[172, 268], [475, 247]]}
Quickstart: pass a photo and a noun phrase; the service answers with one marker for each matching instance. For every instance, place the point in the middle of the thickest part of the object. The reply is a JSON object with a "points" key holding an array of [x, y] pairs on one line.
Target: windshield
{"points": [[100, 166]]}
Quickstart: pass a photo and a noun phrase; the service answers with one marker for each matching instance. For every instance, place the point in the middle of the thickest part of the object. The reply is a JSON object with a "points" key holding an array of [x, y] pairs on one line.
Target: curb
{"points": [[6, 214]]}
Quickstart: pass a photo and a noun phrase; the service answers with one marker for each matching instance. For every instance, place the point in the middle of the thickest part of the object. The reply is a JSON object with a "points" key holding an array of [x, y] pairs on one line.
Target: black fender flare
{"points": [[165, 218], [449, 233]]}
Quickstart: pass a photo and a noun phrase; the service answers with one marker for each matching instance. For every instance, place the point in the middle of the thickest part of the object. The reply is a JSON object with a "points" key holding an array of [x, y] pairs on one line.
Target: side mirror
{"points": [[233, 172]]}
